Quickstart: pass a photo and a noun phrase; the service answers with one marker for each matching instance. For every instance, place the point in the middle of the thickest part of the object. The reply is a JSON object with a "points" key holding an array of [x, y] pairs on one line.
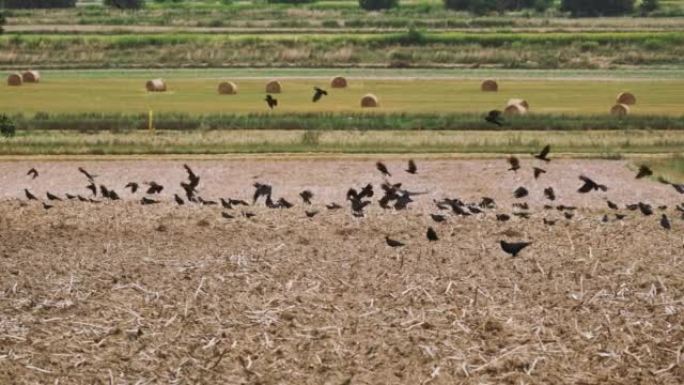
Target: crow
{"points": [[564, 207], [382, 168], [550, 194], [237, 202], [665, 223], [82, 199], [47, 206], [604, 219], [367, 191], [487, 203], [226, 204], [227, 215], [502, 217], [206, 202], [644, 171], [549, 222], [494, 117], [645, 208], [543, 155], [104, 191], [473, 209], [514, 162], [393, 243], [358, 206], [590, 185], [271, 101], [523, 215], [306, 196], [403, 201], [261, 190], [522, 206], [52, 197], [30, 196], [193, 178], [333, 206], [311, 213], [189, 191], [520, 192], [538, 171], [178, 199], [612, 205], [70, 197], [284, 204], [133, 186], [678, 187], [91, 177], [155, 188], [412, 169], [620, 217], [319, 94], [432, 235], [33, 172], [438, 218], [92, 188], [513, 248], [113, 196], [148, 201]]}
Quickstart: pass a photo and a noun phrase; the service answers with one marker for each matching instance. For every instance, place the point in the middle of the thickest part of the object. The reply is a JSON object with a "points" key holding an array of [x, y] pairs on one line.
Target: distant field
{"points": [[70, 93]]}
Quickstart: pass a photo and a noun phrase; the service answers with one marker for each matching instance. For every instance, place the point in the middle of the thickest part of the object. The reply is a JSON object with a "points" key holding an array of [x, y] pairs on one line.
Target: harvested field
{"points": [[122, 293]]}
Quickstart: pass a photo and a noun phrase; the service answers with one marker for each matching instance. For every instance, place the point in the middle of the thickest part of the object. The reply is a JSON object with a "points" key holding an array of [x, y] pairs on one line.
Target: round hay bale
{"points": [[489, 86], [619, 110], [338, 82], [14, 79], [515, 109], [273, 87], [155, 85], [31, 76], [369, 100], [626, 98], [227, 88], [521, 102]]}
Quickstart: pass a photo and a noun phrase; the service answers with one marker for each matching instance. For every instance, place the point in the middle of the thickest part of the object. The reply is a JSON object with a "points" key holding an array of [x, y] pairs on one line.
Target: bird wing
{"points": [[545, 151]]}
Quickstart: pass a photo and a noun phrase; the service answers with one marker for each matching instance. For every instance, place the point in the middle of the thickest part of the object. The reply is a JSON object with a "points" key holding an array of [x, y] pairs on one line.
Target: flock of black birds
{"points": [[394, 197], [272, 102]]}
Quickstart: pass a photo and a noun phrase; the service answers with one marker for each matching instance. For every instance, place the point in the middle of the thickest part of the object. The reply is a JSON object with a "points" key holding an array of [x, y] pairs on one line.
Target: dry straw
{"points": [[489, 86], [14, 79], [338, 82], [227, 88], [626, 98], [31, 76], [619, 110], [156, 85], [273, 87], [369, 100]]}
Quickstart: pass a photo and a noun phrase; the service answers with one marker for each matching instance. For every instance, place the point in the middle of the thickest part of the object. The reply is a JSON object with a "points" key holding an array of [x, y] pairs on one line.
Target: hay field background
{"points": [[121, 293], [124, 92]]}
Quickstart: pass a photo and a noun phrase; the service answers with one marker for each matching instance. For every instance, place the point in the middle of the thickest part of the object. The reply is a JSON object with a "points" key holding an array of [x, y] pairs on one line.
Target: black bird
{"points": [[403, 201], [192, 177], [665, 223], [319, 94], [91, 177], [52, 197], [612, 205], [92, 188], [271, 101], [678, 187], [620, 217], [549, 222], [227, 215], [82, 199], [487, 203], [522, 206], [604, 219], [155, 188], [393, 243], [513, 248], [502, 217], [382, 168], [550, 194], [645, 208], [113, 196], [284, 204], [543, 155], [206, 202], [311, 213], [47, 206], [148, 201], [133, 186], [412, 169], [590, 185], [333, 206], [644, 171], [514, 162], [522, 214], [367, 191], [538, 171], [178, 199], [226, 204], [248, 214], [30, 196], [438, 218], [432, 235], [261, 189], [494, 117], [237, 202], [70, 197], [104, 191], [189, 191], [568, 215], [306, 196], [520, 192], [33, 172]]}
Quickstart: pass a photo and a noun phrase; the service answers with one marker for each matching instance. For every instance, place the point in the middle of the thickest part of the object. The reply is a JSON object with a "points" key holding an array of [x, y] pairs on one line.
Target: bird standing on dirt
{"points": [[393, 243], [520, 192], [33, 173], [513, 248], [271, 101], [412, 168], [52, 197], [643, 172], [318, 94], [432, 235], [306, 196], [382, 168], [30, 196], [494, 117], [665, 222], [543, 155]]}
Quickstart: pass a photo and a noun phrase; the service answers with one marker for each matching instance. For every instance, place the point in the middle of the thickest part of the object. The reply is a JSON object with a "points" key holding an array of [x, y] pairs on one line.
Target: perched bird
{"points": [[92, 188], [432, 235], [568, 215], [665, 222], [412, 169], [494, 117], [382, 168], [590, 185], [503, 217], [549, 222], [47, 206], [178, 199], [227, 215], [133, 186], [248, 214], [271, 101], [438, 218], [284, 204], [678, 187], [644, 171], [333, 206], [306, 196], [393, 243], [30, 196], [148, 201], [612, 205], [91, 177], [538, 171], [33, 172], [52, 197], [514, 162], [645, 208], [318, 94], [543, 155], [311, 213], [513, 248], [520, 192]]}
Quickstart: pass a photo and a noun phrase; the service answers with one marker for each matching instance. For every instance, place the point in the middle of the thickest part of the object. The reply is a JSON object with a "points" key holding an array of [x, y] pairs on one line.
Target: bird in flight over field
{"points": [[494, 117], [33, 172], [319, 94], [271, 101]]}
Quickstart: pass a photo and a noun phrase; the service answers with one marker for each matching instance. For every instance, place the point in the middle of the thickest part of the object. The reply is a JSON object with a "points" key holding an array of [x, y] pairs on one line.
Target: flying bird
{"points": [[33, 172], [306, 196], [91, 177], [644, 171], [393, 243], [590, 185], [412, 169], [261, 189], [538, 171], [678, 187], [155, 188], [92, 188], [382, 168], [271, 101], [513, 248], [178, 199], [550, 194], [30, 196], [494, 117], [133, 186], [311, 213], [318, 94], [432, 235], [543, 155], [514, 162]]}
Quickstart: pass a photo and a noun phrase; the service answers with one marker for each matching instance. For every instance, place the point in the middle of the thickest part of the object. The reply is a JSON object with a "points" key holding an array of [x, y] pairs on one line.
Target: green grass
{"points": [[198, 96]]}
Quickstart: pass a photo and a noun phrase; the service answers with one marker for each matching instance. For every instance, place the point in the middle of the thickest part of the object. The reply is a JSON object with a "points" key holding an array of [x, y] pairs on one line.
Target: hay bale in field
{"points": [[489, 86], [31, 76], [521, 102], [273, 87], [369, 100], [619, 110], [338, 82], [14, 79], [155, 85], [515, 109], [626, 98], [227, 88]]}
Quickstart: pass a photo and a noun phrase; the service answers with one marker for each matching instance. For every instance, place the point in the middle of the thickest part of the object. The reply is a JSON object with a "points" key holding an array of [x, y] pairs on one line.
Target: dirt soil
{"points": [[120, 293]]}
